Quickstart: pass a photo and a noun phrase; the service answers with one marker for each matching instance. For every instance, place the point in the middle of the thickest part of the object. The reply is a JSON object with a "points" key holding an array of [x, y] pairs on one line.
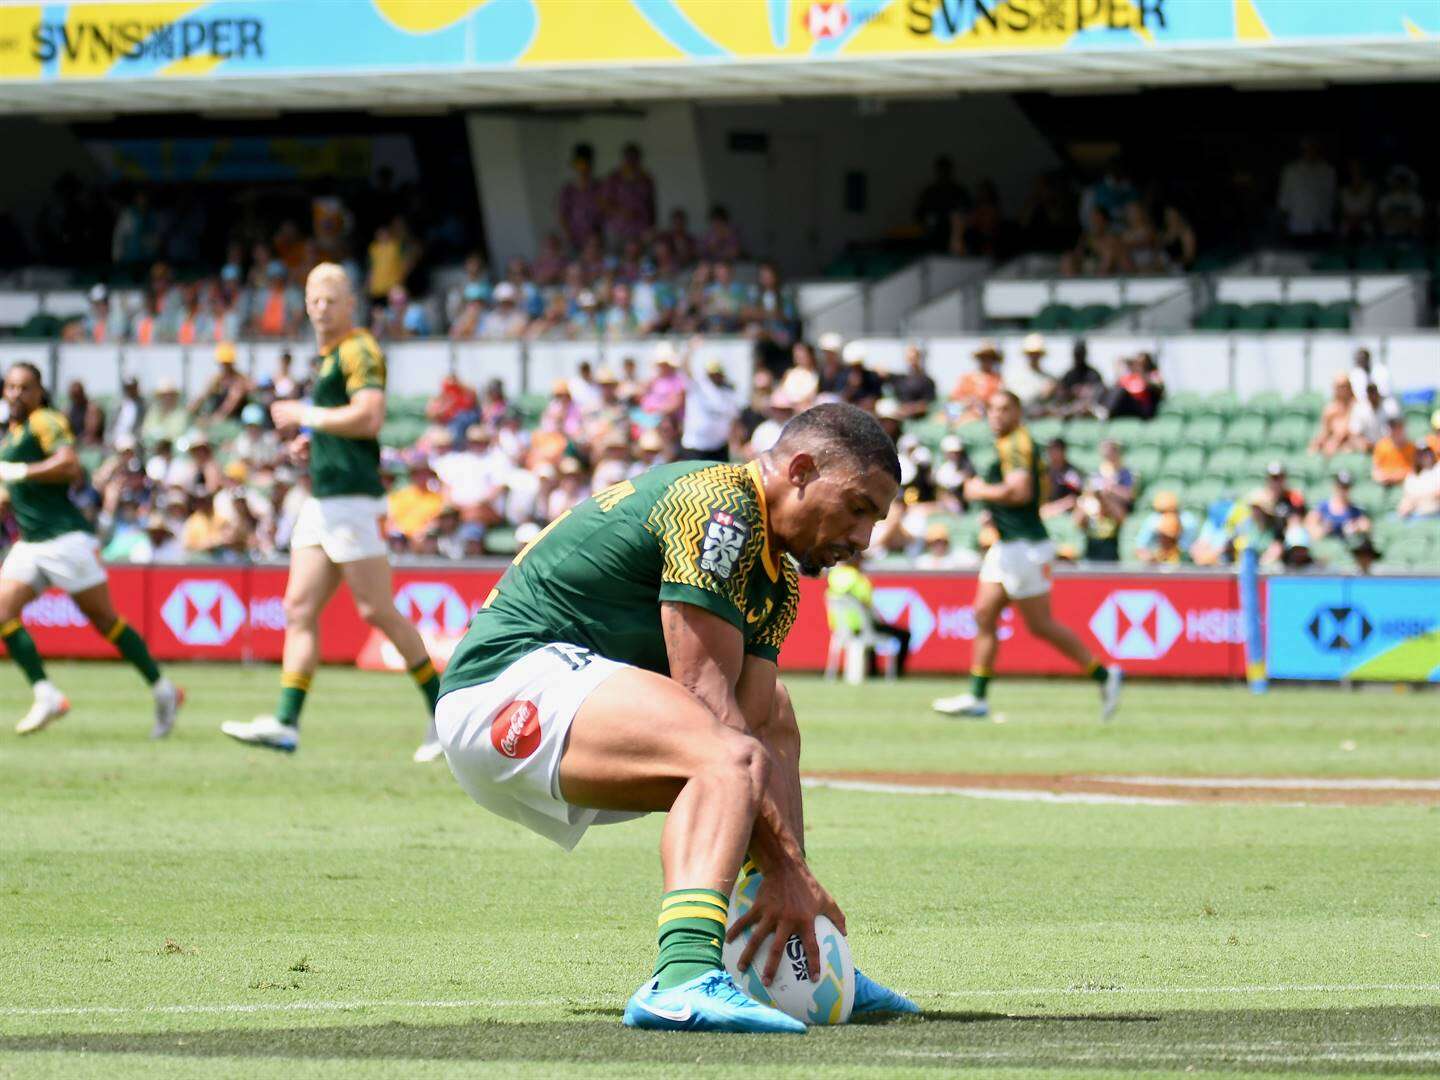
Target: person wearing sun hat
{"points": [[975, 388], [1031, 383]]}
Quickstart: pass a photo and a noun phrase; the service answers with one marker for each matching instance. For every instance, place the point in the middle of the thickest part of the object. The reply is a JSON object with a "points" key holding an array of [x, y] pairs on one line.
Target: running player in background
{"points": [[1016, 569], [57, 550], [626, 664], [338, 534]]}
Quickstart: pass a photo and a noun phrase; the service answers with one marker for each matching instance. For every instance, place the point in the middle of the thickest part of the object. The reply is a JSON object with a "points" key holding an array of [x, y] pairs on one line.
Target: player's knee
{"points": [[300, 612], [371, 612], [745, 764]]}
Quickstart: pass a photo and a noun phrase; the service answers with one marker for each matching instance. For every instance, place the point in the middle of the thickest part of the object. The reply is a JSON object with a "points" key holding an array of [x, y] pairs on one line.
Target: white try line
{"points": [[1005, 794], [243, 1008], [1276, 783]]}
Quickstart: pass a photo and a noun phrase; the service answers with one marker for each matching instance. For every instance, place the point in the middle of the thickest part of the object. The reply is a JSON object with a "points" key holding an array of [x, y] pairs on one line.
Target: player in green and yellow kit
{"points": [[338, 533], [626, 664], [57, 550], [1016, 569]]}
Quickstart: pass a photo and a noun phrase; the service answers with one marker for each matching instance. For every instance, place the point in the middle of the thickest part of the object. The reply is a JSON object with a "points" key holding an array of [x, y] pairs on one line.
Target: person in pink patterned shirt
{"points": [[721, 240], [581, 200], [629, 198]]}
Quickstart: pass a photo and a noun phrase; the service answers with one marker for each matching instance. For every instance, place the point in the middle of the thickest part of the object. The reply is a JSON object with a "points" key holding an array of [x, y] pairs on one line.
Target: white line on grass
{"points": [[1007, 794], [1282, 783], [535, 1003]]}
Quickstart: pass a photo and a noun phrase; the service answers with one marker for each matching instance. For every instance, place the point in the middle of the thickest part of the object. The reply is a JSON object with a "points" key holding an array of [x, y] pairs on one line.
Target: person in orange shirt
{"points": [[975, 388], [277, 309], [1394, 455], [412, 508]]}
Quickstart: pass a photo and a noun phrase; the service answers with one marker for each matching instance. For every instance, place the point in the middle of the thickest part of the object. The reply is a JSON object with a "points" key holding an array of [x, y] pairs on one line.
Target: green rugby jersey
{"points": [[1017, 451], [339, 465], [693, 531], [43, 511]]}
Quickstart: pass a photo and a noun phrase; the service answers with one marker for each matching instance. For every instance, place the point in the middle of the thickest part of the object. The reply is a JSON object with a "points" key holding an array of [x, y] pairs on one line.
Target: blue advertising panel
{"points": [[1380, 629]]}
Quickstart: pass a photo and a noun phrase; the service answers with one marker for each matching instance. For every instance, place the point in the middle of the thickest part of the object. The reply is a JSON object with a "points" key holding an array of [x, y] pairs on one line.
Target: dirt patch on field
{"points": [[1289, 790]]}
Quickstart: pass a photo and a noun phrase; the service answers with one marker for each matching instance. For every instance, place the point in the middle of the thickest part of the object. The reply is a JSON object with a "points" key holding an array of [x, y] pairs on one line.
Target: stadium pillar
{"points": [[515, 211]]}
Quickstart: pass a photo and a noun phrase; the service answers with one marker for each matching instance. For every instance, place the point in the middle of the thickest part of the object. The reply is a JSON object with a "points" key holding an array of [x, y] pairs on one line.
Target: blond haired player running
{"points": [[1016, 569], [56, 549], [338, 535], [626, 664]]}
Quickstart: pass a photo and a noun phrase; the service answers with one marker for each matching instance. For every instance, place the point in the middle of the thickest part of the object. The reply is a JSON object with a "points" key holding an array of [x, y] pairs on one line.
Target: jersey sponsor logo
{"points": [[515, 732], [202, 612], [753, 617], [725, 537], [433, 606], [1136, 624]]}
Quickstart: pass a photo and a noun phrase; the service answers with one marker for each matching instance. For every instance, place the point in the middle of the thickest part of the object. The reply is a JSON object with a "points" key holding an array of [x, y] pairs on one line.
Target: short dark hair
{"points": [[843, 429]]}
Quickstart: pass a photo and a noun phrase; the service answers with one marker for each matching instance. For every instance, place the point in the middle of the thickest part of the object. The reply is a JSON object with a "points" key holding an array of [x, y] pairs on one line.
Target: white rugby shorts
{"points": [[347, 527], [504, 739], [1021, 567], [69, 562]]}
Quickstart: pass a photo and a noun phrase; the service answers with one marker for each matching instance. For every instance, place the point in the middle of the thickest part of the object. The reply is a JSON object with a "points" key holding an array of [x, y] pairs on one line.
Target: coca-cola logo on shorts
{"points": [[515, 731]]}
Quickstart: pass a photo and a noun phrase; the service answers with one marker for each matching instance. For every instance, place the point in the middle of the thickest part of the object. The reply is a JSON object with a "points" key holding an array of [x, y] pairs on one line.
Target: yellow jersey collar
{"points": [[753, 468]]}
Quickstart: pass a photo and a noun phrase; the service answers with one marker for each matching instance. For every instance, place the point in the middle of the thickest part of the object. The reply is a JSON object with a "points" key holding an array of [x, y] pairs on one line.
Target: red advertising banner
{"points": [[1153, 624]]}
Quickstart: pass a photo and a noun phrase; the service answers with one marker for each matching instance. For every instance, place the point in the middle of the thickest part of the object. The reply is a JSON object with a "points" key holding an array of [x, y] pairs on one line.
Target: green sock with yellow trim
{"points": [[692, 931], [21, 647], [1097, 671], [293, 688], [428, 680], [979, 684], [133, 648]]}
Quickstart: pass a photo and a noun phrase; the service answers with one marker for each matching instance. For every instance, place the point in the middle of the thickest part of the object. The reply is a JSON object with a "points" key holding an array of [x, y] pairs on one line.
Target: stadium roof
{"points": [[1245, 65]]}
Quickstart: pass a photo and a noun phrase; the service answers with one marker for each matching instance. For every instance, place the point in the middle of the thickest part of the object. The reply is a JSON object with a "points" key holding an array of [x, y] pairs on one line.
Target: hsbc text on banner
{"points": [[60, 630], [1152, 625], [1381, 629]]}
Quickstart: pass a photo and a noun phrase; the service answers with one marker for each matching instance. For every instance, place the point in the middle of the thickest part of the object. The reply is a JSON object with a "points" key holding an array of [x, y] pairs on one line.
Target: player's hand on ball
{"points": [[789, 901]]}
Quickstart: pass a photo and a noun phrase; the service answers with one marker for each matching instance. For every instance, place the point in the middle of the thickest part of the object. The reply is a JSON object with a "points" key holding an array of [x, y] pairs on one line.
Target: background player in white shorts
{"points": [[338, 534], [1016, 569], [57, 550]]}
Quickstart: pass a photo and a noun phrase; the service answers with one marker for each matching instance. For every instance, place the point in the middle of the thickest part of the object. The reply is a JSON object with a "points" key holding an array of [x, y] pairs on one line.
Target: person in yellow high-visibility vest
{"points": [[847, 579]]}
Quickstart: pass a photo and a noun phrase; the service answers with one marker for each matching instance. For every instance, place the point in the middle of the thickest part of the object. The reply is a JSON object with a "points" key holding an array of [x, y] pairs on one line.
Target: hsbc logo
{"points": [[905, 607], [434, 607], [201, 612], [1136, 624], [827, 19]]}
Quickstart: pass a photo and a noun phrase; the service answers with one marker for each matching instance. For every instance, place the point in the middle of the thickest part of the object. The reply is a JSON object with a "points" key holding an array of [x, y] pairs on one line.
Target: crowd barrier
{"points": [[1170, 625]]}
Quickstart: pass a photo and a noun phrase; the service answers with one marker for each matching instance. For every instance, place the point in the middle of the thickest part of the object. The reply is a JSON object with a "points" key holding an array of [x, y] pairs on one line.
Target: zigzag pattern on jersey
{"points": [[777, 627], [679, 517]]}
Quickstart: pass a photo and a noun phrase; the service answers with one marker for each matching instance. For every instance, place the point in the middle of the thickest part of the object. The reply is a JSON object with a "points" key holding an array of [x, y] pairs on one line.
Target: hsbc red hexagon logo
{"points": [[515, 731], [202, 611], [1136, 624], [827, 19]]}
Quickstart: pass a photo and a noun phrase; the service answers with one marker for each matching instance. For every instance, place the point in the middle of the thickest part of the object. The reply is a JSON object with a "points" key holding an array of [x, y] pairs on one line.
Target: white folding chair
{"points": [[853, 646]]}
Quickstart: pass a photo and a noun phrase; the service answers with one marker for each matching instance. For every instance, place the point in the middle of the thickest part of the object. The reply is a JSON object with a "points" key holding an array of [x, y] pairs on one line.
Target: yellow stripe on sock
{"points": [[980, 673], [289, 680], [113, 634], [10, 627], [424, 673], [1092, 667], [693, 898], [691, 911], [748, 867]]}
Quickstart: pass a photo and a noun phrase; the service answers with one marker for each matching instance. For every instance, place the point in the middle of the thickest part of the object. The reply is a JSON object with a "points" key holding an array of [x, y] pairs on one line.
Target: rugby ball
{"points": [[815, 998]]}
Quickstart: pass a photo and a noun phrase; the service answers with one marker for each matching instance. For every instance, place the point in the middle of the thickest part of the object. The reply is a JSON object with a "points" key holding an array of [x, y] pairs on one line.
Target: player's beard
{"points": [[810, 565]]}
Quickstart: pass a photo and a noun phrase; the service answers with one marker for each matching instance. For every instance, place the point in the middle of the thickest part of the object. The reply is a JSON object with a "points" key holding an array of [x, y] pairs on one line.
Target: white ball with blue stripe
{"points": [[816, 998]]}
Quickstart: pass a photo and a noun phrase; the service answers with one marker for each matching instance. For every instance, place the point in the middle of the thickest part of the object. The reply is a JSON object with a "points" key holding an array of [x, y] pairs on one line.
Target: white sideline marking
{"points": [[533, 1003], [1281, 783], [1008, 794]]}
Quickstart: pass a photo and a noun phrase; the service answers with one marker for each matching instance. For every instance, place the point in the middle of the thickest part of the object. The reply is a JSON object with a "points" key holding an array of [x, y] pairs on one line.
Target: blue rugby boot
{"points": [[871, 997], [708, 1002]]}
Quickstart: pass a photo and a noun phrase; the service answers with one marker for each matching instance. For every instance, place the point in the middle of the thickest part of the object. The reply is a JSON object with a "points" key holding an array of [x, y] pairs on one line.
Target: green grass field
{"points": [[197, 909]]}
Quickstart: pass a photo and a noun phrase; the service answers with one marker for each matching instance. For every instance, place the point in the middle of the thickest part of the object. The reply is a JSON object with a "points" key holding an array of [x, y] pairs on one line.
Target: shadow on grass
{"points": [[1354, 1041]]}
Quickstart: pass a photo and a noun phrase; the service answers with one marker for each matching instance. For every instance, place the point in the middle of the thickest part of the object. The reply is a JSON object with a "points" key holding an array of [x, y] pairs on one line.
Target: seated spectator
{"points": [[411, 317], [413, 507], [1364, 552], [1357, 204], [1258, 524], [454, 405], [278, 309], [1367, 370], [1113, 475], [587, 320], [130, 412], [198, 469], [767, 433], [649, 452], [1394, 456], [473, 477], [1420, 491], [1177, 240], [954, 469], [102, 322], [849, 580], [1140, 250], [914, 389], [549, 265], [1283, 497], [862, 386], [1371, 416], [1031, 384], [918, 490], [829, 363], [1295, 553], [1211, 545], [1080, 391], [677, 242], [721, 241], [770, 313], [1104, 505], [612, 460], [256, 445], [562, 415], [1165, 546], [724, 301], [652, 300], [801, 383], [204, 533], [504, 321], [465, 323], [1066, 483], [1336, 434], [1337, 515], [940, 553], [157, 543], [572, 489], [1138, 391], [1097, 251], [665, 393], [975, 388], [712, 406], [1401, 210], [581, 207], [227, 391], [286, 386], [620, 319], [86, 418]]}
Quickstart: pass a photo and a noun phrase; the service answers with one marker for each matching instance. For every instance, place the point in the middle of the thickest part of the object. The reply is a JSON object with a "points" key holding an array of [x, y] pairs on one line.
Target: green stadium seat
{"points": [[1290, 433], [1307, 403], [1410, 260], [1181, 403], [1217, 317], [1045, 428], [1064, 531], [1249, 430], [1144, 460], [1357, 463], [1204, 431], [1083, 433], [1410, 551], [1267, 403], [1300, 315], [1163, 431], [1229, 461], [1302, 468], [1187, 462], [500, 540], [1084, 458], [1053, 317], [1259, 316], [1332, 552], [1371, 260], [530, 406], [1334, 316], [975, 433], [1092, 315], [1124, 429], [1201, 493], [1223, 404], [1331, 262]]}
